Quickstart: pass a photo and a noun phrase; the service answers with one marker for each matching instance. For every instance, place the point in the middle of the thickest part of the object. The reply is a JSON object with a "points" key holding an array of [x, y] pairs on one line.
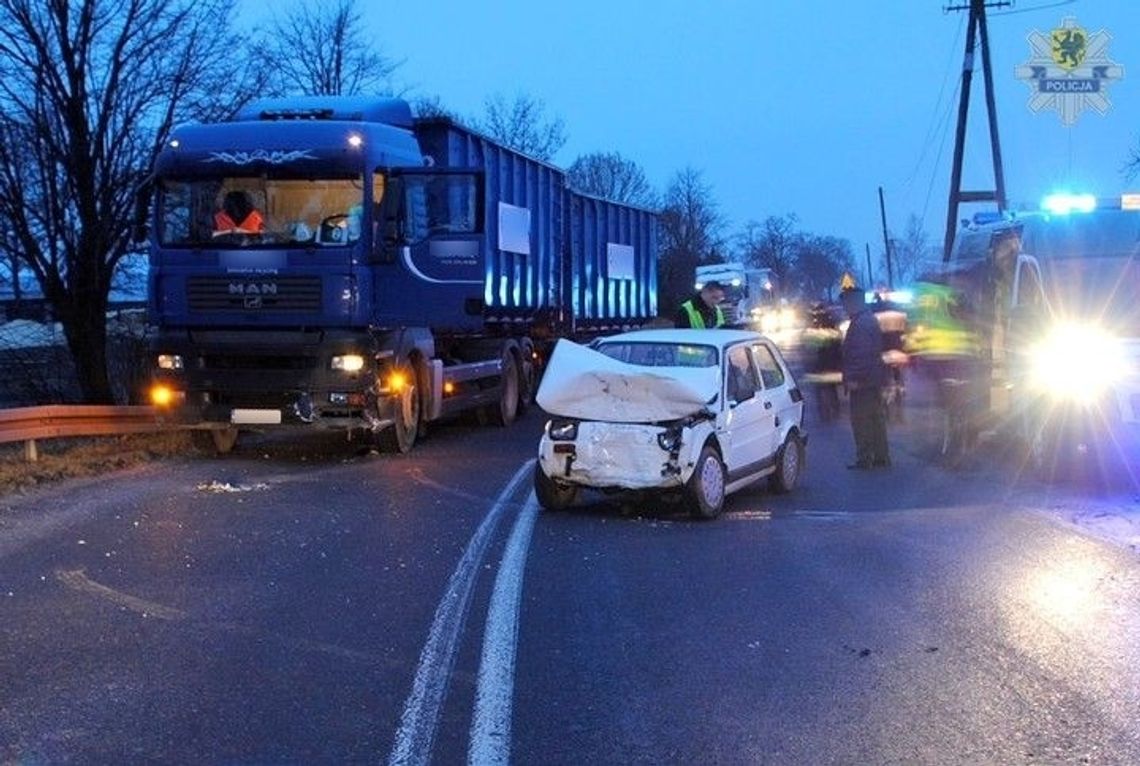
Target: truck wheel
{"points": [[528, 376], [553, 495], [508, 408], [704, 492], [220, 441], [789, 465], [401, 436]]}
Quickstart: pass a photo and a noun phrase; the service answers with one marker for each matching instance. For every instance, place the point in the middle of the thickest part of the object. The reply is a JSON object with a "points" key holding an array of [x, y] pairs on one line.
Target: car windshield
{"points": [[244, 211], [659, 354], [1101, 290]]}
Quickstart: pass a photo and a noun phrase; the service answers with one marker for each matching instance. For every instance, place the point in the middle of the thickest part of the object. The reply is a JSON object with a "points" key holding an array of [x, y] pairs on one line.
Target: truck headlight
{"points": [[169, 362], [348, 363], [1076, 363]]}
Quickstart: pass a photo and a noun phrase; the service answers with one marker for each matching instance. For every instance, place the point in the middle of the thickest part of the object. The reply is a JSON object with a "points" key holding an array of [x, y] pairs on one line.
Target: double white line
{"points": [[490, 739]]}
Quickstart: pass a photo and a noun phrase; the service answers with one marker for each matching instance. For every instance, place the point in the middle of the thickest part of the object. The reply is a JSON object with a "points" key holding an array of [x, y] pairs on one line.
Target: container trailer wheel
{"points": [[528, 375], [508, 408], [401, 436]]}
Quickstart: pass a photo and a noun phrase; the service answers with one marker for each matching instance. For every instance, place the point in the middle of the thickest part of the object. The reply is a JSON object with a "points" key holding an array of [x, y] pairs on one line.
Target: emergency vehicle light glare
{"points": [[1063, 203]]}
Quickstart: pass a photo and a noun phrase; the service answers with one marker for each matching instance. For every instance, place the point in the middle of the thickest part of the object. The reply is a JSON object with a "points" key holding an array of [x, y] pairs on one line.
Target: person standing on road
{"points": [[703, 309], [864, 375]]}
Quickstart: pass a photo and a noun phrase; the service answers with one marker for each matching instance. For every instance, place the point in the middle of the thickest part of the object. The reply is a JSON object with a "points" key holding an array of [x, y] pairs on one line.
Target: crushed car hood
{"points": [[582, 383]]}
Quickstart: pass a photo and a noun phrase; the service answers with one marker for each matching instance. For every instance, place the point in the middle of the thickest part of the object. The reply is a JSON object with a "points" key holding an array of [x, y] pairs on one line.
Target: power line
{"points": [[1034, 8]]}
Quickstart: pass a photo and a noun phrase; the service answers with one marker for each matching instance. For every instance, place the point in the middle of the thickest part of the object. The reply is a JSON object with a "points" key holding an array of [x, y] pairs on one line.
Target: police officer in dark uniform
{"points": [[703, 309], [864, 375]]}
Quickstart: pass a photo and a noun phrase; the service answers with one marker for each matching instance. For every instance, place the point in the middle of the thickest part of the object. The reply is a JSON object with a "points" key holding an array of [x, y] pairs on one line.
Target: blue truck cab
{"points": [[387, 270]]}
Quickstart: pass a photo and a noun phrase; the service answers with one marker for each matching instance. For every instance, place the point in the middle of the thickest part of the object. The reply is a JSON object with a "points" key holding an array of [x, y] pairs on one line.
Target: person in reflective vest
{"points": [[703, 309], [238, 216]]}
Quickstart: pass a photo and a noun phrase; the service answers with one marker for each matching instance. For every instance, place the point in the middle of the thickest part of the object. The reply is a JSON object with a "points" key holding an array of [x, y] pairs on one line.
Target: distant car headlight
{"points": [[1076, 362], [348, 363], [563, 430], [169, 362]]}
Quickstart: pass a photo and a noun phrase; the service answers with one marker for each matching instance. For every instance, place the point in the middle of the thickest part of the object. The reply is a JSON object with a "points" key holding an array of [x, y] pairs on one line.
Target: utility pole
{"points": [[975, 29], [886, 241], [870, 274]]}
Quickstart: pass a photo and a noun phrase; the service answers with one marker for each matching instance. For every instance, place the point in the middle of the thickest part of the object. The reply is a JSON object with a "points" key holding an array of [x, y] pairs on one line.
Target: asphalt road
{"points": [[303, 602]]}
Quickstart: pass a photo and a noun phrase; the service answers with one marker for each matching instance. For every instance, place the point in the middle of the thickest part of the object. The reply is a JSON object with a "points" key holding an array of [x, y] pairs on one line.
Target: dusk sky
{"points": [[786, 106]]}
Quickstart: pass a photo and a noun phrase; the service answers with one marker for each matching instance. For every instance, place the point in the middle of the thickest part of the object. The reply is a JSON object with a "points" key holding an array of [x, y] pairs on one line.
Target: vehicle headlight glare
{"points": [[563, 430], [348, 363], [1076, 362], [169, 362]]}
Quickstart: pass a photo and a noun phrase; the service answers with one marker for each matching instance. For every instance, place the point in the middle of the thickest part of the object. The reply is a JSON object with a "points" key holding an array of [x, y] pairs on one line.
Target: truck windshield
{"points": [[257, 211]]}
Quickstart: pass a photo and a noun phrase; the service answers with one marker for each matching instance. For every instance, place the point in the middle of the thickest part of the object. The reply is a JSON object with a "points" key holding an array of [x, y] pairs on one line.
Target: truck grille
{"points": [[254, 294]]}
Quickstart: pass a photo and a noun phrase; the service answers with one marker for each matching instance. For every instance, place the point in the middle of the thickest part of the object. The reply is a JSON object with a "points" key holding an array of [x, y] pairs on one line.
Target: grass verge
{"points": [[61, 459]]}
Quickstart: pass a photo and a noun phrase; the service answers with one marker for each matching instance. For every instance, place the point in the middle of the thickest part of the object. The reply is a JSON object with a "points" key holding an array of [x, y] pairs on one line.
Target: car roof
{"points": [[719, 337]]}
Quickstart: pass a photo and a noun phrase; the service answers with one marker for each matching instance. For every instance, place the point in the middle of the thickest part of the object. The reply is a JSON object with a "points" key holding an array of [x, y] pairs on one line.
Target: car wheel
{"points": [[553, 495], [704, 493], [789, 465]]}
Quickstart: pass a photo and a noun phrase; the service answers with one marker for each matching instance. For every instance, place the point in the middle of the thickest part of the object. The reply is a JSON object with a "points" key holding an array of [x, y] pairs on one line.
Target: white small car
{"points": [[701, 412]]}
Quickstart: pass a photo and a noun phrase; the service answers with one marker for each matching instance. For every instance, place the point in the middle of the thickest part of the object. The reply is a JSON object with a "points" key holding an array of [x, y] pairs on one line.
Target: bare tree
{"points": [[321, 49], [819, 264], [690, 234], [522, 125], [609, 175], [89, 90], [908, 253], [432, 106], [771, 244]]}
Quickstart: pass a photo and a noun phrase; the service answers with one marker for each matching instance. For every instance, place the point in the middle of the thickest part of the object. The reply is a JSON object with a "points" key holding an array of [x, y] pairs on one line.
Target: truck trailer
{"points": [[388, 271]]}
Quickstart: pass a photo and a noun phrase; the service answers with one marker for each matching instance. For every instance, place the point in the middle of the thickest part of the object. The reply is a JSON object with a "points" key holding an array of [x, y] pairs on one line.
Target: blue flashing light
{"points": [[1063, 203]]}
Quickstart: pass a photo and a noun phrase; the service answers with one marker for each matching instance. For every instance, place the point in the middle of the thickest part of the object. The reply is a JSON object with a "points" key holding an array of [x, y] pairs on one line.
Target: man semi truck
{"points": [[393, 270]]}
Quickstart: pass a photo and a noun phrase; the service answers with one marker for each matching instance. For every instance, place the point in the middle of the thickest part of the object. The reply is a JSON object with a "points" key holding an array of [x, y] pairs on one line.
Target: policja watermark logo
{"points": [[1069, 70]]}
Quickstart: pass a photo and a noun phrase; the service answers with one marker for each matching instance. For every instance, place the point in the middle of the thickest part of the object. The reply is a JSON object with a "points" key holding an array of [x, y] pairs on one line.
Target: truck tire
{"points": [[553, 495], [508, 408], [528, 375], [401, 436], [704, 492], [220, 441]]}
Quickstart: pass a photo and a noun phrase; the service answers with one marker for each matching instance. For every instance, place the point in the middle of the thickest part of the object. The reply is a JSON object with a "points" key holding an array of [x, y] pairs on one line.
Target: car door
{"points": [[779, 401], [749, 421]]}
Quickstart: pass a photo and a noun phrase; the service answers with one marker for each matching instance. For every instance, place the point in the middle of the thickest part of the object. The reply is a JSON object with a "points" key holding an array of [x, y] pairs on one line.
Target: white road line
{"points": [[490, 741], [416, 735]]}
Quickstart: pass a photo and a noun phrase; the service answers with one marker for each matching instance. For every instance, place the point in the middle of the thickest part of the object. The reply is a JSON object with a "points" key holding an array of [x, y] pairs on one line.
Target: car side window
{"points": [[742, 381], [770, 371]]}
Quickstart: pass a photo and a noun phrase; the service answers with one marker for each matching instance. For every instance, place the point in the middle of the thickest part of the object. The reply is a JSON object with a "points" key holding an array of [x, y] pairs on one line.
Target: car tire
{"points": [[704, 492], [553, 495], [789, 465]]}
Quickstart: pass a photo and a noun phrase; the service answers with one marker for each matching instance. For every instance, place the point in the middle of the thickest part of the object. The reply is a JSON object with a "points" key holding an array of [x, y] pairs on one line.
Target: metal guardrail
{"points": [[27, 424]]}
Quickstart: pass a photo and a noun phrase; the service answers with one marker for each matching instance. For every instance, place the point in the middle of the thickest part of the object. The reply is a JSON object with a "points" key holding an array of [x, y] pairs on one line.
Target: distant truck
{"points": [[399, 270], [751, 296], [1046, 307]]}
